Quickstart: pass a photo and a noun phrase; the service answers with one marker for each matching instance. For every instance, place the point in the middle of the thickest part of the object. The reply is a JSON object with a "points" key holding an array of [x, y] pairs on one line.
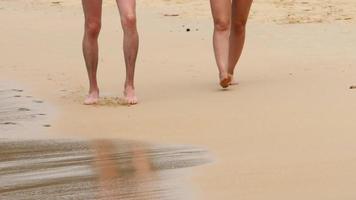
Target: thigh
{"points": [[127, 8], [92, 10], [221, 10], [240, 10]]}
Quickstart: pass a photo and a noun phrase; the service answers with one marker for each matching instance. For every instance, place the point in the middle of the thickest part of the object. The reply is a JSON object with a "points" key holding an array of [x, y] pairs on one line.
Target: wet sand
{"points": [[99, 169], [21, 114], [83, 169]]}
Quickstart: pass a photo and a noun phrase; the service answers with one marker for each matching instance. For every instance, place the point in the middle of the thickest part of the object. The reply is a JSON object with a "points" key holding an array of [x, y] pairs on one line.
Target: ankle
{"points": [[129, 85], [223, 75], [230, 72], [93, 90]]}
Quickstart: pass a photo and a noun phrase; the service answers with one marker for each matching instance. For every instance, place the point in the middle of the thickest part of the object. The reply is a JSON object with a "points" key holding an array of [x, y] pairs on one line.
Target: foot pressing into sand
{"points": [[129, 95], [225, 80], [232, 80], [92, 98]]}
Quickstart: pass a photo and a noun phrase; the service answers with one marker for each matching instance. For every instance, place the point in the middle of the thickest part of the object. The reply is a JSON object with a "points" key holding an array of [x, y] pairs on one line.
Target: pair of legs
{"points": [[92, 13], [230, 17]]}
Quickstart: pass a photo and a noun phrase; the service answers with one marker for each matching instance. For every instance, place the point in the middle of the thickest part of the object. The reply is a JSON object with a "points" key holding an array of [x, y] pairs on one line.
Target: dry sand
{"points": [[286, 132]]}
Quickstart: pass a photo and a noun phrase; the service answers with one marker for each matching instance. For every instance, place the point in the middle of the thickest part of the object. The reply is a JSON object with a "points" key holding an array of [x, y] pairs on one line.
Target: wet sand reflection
{"points": [[100, 169]]}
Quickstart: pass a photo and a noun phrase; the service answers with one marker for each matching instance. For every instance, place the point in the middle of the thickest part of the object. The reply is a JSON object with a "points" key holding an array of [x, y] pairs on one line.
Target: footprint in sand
{"points": [[8, 123], [37, 101], [23, 109], [20, 111]]}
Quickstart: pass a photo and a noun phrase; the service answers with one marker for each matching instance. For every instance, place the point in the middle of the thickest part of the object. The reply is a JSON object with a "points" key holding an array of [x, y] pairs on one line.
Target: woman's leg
{"points": [[240, 10], [221, 11]]}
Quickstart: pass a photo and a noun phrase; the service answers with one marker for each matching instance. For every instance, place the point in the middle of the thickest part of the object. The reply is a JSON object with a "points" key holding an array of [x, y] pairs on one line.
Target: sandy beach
{"points": [[285, 132]]}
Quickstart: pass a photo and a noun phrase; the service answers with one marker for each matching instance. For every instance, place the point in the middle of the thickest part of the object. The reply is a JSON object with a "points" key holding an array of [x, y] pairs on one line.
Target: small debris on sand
{"points": [[37, 101], [23, 109], [171, 15], [9, 123], [56, 2]]}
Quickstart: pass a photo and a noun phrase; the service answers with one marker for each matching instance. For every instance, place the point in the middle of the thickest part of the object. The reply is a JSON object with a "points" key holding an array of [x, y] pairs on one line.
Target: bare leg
{"points": [[221, 10], [127, 9], [240, 12], [92, 14]]}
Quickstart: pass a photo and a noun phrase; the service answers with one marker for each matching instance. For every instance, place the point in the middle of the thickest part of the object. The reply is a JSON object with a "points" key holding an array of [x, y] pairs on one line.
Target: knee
{"points": [[238, 26], [129, 22], [92, 28], [221, 24]]}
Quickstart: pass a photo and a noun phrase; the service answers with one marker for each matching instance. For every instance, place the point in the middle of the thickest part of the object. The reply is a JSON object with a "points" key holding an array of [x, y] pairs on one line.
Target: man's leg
{"points": [[92, 14], [221, 15], [240, 12], [127, 9]]}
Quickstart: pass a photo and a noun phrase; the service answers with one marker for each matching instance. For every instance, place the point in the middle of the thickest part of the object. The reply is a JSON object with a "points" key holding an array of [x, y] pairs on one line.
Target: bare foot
{"points": [[225, 80], [129, 95], [232, 80], [92, 98]]}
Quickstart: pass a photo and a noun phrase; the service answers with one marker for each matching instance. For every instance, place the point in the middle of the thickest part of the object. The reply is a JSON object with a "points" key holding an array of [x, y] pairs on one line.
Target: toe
{"points": [[87, 102], [90, 101], [133, 101]]}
